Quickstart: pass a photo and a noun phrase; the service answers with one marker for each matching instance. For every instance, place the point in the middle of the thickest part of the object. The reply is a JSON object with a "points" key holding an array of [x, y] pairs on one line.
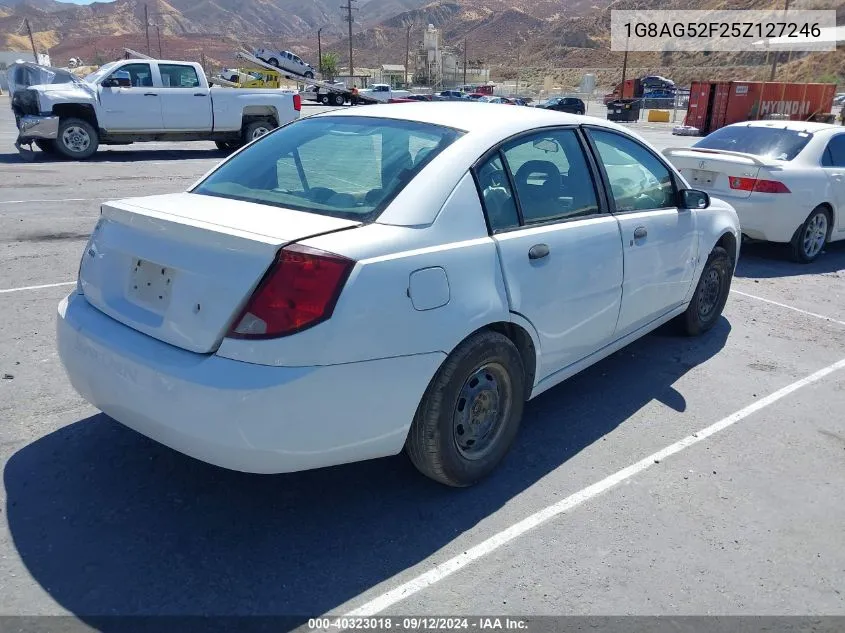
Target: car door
{"points": [[833, 163], [559, 247], [185, 103], [660, 240], [132, 108]]}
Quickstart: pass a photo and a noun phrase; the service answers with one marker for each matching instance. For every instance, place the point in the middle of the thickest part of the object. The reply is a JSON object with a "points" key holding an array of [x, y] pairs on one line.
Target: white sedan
{"points": [[370, 280], [786, 180]]}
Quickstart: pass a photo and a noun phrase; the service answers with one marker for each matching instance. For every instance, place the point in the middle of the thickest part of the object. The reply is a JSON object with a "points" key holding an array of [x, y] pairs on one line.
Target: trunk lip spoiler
{"points": [[675, 151]]}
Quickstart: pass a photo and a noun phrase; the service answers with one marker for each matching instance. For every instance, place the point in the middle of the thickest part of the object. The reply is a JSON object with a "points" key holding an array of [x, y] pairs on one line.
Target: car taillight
{"points": [[760, 186], [297, 102], [299, 291]]}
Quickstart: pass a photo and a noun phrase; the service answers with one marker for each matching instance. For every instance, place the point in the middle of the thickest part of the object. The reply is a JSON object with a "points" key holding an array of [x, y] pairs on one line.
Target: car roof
{"points": [[797, 126], [475, 117]]}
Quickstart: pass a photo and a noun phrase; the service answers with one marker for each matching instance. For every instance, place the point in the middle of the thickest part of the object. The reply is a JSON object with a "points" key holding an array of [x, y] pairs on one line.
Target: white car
{"points": [[285, 60], [369, 280], [786, 180]]}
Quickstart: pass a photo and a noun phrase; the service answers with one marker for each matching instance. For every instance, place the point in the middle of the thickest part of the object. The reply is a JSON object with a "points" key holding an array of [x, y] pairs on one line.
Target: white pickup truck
{"points": [[138, 100], [383, 93]]}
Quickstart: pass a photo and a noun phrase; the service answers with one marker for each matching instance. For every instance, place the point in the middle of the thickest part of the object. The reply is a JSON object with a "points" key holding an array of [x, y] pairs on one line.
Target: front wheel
{"points": [[77, 139], [808, 242], [309, 75], [711, 294], [325, 99], [470, 413]]}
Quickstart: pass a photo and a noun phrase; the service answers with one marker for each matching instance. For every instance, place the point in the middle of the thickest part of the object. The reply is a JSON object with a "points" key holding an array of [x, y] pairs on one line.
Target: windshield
{"points": [[337, 166], [770, 142], [100, 73]]}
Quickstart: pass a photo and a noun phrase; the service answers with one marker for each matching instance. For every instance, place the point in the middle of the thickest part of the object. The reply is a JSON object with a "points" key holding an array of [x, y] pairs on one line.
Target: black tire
{"points": [[337, 100], [433, 441], [251, 128], [48, 146], [711, 294], [273, 62], [67, 148], [309, 75], [799, 244], [325, 99]]}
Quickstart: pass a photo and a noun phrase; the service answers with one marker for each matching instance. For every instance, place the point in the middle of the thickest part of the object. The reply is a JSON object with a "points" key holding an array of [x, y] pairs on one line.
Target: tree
{"points": [[328, 65]]}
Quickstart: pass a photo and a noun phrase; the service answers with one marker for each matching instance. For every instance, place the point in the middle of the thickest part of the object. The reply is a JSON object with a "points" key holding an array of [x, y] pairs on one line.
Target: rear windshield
{"points": [[345, 167], [776, 143]]}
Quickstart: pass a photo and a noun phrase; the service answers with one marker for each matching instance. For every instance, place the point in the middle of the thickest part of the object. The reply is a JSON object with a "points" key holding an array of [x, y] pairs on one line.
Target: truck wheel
{"points": [[257, 129], [324, 99], [77, 139], [48, 146], [273, 62], [470, 413], [309, 75], [338, 100]]}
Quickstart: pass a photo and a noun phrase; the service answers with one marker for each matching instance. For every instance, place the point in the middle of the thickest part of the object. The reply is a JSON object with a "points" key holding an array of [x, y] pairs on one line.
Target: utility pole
{"points": [[31, 40], [407, 53], [624, 68], [775, 61], [465, 61], [320, 50], [147, 29], [158, 32], [349, 7], [518, 47]]}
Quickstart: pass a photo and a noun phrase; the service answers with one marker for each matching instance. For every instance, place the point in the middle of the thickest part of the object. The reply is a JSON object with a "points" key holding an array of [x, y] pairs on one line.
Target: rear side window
{"points": [[776, 143], [177, 76], [348, 167], [834, 155], [497, 195]]}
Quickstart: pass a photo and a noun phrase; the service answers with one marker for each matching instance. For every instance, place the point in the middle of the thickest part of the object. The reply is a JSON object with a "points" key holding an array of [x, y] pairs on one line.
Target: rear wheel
{"points": [[273, 62], [711, 294], [470, 413], [257, 129], [337, 100], [77, 139], [809, 241], [309, 75]]}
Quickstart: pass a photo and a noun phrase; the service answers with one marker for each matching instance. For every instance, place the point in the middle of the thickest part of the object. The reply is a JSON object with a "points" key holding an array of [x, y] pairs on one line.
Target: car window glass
{"points": [[638, 180], [496, 195], [178, 76], [836, 147], [551, 176], [140, 74]]}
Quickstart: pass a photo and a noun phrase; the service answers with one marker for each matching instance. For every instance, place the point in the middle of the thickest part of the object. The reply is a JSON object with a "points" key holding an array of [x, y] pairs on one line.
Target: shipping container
{"points": [[715, 104]]}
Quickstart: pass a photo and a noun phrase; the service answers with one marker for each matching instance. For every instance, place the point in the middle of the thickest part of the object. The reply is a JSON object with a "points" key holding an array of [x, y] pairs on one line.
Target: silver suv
{"points": [[285, 60]]}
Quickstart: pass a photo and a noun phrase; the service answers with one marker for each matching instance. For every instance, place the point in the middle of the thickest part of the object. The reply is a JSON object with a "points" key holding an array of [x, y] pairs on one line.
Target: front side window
{"points": [[551, 176], [140, 75], [638, 180], [178, 76], [348, 167]]}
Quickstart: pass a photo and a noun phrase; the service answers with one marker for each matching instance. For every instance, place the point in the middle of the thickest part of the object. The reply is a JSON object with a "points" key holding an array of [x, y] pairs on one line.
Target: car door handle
{"points": [[538, 251], [640, 232], [150, 94], [199, 94]]}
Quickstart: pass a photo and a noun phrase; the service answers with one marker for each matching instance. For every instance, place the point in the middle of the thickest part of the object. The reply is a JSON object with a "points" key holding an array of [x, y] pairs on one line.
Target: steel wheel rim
{"points": [[76, 139], [483, 405], [259, 132], [708, 298], [815, 235]]}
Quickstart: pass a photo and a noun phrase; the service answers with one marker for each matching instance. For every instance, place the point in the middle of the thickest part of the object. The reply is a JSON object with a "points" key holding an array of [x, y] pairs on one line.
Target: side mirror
{"points": [[693, 199]]}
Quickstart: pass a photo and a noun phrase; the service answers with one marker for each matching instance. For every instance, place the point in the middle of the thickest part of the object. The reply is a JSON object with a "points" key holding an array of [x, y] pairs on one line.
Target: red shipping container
{"points": [[715, 104]]}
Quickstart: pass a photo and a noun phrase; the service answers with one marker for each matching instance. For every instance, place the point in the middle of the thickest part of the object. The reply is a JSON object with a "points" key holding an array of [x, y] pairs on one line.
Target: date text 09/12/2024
{"points": [[418, 624]]}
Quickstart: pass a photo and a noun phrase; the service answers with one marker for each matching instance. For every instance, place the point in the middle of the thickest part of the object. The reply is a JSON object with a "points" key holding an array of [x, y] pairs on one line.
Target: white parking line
{"points": [[58, 200], [64, 283], [445, 569], [788, 307]]}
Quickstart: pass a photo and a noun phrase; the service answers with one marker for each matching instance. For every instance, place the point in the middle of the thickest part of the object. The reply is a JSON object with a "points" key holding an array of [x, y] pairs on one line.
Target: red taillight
{"points": [[299, 291], [297, 102], [760, 186]]}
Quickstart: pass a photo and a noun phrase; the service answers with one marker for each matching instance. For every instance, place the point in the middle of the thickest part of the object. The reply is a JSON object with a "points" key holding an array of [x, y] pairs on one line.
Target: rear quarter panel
{"points": [[231, 104]]}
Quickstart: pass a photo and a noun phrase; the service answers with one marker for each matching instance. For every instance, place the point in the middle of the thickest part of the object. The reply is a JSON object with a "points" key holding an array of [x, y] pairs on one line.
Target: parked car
{"points": [[138, 100], [452, 95], [839, 99], [383, 93], [475, 96], [659, 94], [786, 180], [260, 321], [419, 97], [285, 60], [495, 99], [572, 105]]}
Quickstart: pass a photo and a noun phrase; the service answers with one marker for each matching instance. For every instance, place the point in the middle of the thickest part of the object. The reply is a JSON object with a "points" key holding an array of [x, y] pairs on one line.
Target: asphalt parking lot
{"points": [[741, 514]]}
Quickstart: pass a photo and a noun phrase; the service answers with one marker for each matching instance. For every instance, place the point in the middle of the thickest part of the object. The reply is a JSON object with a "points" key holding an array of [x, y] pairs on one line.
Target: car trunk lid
{"points": [[180, 267], [715, 171]]}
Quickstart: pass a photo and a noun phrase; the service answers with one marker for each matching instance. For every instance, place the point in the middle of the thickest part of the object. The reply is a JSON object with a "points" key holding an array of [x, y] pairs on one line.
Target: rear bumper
{"points": [[767, 216], [251, 418], [32, 127]]}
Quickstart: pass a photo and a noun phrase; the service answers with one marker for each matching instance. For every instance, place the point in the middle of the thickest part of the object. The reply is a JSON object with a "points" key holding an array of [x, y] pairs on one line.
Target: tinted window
{"points": [[638, 180], [835, 153], [140, 74], [551, 176], [774, 143], [337, 166], [496, 194], [176, 76]]}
